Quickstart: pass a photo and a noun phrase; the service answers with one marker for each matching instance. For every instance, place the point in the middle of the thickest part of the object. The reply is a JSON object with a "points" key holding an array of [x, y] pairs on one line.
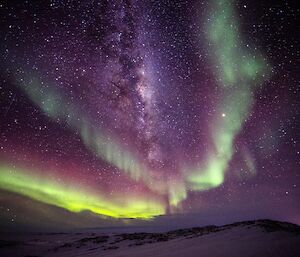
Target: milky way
{"points": [[137, 109]]}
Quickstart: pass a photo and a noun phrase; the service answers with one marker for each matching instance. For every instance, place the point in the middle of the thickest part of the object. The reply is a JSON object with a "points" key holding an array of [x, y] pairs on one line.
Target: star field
{"points": [[137, 109]]}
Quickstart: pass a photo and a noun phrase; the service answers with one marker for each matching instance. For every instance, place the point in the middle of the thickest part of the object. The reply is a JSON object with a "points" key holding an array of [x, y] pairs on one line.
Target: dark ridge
{"points": [[268, 225]]}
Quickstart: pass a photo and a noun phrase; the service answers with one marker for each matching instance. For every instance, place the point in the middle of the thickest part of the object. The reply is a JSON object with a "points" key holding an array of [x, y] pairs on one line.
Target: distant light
{"points": [[223, 115]]}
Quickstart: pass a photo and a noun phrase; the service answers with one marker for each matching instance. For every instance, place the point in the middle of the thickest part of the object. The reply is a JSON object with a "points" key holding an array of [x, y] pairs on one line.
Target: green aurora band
{"points": [[71, 198], [95, 139], [238, 73], [103, 145]]}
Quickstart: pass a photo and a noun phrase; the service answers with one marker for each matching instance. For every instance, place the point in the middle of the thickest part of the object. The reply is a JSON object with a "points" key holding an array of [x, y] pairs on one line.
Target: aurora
{"points": [[70, 198], [146, 111], [239, 72]]}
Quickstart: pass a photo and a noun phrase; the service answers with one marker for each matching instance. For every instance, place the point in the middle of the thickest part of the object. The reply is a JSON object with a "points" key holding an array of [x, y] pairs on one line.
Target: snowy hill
{"points": [[243, 239]]}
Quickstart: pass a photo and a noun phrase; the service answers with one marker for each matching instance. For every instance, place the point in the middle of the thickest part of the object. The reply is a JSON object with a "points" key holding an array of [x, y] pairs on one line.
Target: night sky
{"points": [[148, 112]]}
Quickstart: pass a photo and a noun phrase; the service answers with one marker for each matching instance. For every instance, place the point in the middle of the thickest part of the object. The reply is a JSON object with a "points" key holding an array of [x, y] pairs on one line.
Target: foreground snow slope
{"points": [[244, 239]]}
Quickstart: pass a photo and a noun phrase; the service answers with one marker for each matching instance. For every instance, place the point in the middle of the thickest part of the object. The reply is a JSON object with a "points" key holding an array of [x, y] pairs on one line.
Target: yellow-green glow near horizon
{"points": [[73, 199], [238, 73]]}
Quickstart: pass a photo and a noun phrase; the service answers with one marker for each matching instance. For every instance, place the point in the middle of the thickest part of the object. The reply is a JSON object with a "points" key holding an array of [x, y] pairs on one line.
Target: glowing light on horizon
{"points": [[73, 198]]}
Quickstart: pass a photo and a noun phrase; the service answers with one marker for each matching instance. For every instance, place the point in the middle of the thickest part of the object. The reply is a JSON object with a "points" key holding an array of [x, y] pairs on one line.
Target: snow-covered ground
{"points": [[244, 239]]}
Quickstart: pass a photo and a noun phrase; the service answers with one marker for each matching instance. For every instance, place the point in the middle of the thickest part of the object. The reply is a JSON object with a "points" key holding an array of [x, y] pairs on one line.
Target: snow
{"points": [[243, 239]]}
